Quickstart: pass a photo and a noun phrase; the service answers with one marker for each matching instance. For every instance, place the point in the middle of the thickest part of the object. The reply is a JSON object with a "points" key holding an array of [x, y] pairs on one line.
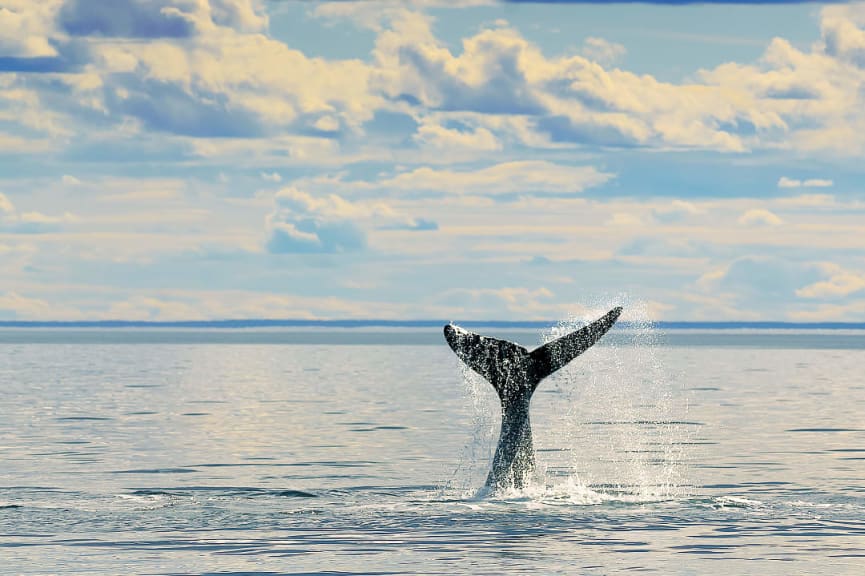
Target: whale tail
{"points": [[515, 374], [505, 364]]}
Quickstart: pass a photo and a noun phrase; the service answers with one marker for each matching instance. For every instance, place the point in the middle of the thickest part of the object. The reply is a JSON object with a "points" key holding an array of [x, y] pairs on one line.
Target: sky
{"points": [[214, 159]]}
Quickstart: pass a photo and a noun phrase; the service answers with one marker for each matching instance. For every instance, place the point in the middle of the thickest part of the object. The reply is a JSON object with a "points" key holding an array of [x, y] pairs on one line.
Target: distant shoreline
{"points": [[503, 324]]}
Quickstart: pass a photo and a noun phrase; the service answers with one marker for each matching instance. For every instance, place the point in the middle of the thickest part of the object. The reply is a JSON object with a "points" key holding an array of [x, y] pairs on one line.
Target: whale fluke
{"points": [[515, 373]]}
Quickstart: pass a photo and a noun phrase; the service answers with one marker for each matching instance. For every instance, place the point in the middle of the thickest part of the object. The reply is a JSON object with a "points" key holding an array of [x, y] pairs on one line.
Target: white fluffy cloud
{"points": [[208, 69], [25, 28]]}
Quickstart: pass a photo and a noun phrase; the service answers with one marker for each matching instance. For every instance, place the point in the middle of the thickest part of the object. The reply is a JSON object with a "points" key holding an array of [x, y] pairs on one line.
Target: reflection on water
{"points": [[226, 458]]}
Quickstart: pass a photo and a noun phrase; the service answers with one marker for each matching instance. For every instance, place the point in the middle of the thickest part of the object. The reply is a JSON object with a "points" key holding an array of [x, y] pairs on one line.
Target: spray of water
{"points": [[607, 427]]}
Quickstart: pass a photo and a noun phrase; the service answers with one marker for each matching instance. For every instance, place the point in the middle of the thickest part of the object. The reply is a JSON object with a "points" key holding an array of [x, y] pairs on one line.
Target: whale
{"points": [[515, 374]]}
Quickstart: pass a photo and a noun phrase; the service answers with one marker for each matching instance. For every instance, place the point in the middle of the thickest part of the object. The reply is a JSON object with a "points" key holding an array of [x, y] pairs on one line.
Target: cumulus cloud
{"points": [[200, 68], [785, 182], [303, 223], [157, 18], [208, 69], [26, 27], [759, 217]]}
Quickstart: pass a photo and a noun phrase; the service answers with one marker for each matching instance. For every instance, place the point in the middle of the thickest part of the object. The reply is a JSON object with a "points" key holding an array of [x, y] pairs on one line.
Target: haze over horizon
{"points": [[177, 160]]}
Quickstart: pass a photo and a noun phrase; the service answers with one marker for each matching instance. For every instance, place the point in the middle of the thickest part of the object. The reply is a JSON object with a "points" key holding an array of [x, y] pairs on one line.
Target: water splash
{"points": [[608, 427]]}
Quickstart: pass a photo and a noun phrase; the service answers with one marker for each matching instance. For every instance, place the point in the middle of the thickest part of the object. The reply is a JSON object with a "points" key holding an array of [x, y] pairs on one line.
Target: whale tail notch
{"points": [[506, 365]]}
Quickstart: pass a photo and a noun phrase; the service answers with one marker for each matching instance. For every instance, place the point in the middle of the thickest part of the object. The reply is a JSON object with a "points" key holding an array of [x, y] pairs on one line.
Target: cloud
{"points": [[25, 29], [848, 312], [676, 211], [209, 70], [70, 180], [6, 206], [271, 177], [759, 281], [201, 68], [150, 19], [623, 219], [602, 51], [105, 303], [526, 177], [126, 18], [840, 283], [302, 223], [785, 182], [484, 303], [570, 99], [759, 217], [23, 307], [11, 220], [458, 138]]}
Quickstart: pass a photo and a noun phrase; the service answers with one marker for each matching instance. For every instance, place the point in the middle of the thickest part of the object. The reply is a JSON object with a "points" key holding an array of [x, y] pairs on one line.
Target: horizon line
{"points": [[415, 323]]}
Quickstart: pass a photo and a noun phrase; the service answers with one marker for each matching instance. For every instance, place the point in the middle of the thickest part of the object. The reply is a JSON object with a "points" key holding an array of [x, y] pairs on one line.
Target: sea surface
{"points": [[363, 451]]}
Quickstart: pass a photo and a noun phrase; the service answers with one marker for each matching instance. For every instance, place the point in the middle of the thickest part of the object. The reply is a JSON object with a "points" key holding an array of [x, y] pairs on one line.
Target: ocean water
{"points": [[363, 452]]}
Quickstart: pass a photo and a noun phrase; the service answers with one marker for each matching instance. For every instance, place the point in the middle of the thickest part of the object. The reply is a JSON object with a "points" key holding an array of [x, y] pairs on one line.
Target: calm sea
{"points": [[362, 451]]}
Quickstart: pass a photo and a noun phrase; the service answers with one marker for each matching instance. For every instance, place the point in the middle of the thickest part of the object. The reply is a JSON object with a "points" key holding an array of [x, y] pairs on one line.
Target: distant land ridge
{"points": [[378, 323]]}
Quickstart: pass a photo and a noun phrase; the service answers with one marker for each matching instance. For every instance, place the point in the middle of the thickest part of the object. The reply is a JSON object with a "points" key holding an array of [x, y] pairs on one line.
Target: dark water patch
{"points": [[377, 428], [226, 491], [705, 389], [53, 489], [157, 471], [149, 492], [141, 413], [335, 463], [230, 465], [10, 506], [306, 477], [72, 442], [83, 419], [196, 414], [144, 385]]}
